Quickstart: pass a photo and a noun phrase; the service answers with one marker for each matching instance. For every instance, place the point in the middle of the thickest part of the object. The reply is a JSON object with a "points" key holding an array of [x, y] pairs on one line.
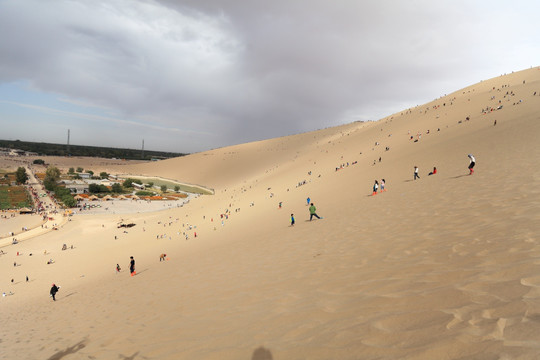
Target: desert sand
{"points": [[443, 267]]}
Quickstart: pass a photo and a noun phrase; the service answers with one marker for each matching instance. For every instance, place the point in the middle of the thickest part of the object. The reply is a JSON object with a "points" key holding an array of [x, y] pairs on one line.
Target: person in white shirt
{"points": [[471, 165]]}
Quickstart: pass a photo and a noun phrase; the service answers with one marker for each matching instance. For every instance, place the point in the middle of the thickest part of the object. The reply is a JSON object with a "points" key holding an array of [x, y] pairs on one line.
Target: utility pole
{"points": [[142, 156], [68, 145]]}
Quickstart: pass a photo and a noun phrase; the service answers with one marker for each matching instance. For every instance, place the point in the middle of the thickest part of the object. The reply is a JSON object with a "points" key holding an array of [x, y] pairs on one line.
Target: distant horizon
{"points": [[269, 138], [91, 146]]}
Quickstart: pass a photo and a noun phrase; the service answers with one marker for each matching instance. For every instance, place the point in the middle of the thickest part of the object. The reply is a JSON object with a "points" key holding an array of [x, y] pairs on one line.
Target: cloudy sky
{"points": [[192, 75]]}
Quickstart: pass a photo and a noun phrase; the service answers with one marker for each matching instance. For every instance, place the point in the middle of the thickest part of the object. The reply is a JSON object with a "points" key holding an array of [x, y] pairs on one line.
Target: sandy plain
{"points": [[444, 267]]}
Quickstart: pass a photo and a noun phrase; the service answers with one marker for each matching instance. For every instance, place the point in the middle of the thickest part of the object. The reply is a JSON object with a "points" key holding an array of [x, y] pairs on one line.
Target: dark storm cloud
{"points": [[213, 73]]}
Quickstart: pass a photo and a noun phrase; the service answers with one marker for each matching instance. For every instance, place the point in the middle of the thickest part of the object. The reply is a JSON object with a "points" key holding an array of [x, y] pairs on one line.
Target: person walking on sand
{"points": [[313, 212], [132, 266], [375, 187], [383, 183], [292, 219], [472, 163], [54, 290], [308, 200], [416, 176], [118, 268]]}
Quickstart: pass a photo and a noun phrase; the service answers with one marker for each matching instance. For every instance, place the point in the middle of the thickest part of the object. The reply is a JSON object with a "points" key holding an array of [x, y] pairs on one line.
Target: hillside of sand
{"points": [[445, 266]]}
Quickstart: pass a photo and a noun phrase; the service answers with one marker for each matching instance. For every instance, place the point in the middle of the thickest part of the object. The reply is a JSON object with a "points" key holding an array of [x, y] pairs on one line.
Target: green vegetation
{"points": [[80, 169], [144, 193], [21, 175], [103, 175], [176, 188], [163, 188], [79, 150], [65, 196], [51, 177], [117, 188], [129, 182], [96, 189], [39, 162], [71, 170], [14, 197]]}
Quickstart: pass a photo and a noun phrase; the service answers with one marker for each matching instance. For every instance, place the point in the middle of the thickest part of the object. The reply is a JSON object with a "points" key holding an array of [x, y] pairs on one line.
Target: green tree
{"points": [[69, 200], [49, 184], [150, 184], [97, 188], [129, 181], [90, 172], [61, 191], [103, 175], [51, 177], [117, 188], [52, 174], [71, 170], [93, 188], [21, 176], [163, 188], [176, 188], [80, 169], [39, 162]]}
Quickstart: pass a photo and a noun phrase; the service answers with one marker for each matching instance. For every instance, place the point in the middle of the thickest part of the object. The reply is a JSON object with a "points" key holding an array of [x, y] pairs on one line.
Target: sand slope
{"points": [[445, 267]]}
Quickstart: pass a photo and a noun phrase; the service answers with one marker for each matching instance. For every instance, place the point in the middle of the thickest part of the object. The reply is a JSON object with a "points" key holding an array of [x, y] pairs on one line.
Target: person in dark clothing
{"points": [[54, 290], [471, 164], [132, 266]]}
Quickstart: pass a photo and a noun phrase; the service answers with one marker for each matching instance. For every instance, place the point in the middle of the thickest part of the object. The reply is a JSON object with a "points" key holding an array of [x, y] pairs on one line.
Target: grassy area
{"points": [[14, 197], [6, 177], [171, 184]]}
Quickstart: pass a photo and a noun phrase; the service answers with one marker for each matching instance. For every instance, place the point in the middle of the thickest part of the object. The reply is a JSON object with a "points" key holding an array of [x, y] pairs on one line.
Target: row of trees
{"points": [[127, 184], [99, 188], [72, 172], [80, 150]]}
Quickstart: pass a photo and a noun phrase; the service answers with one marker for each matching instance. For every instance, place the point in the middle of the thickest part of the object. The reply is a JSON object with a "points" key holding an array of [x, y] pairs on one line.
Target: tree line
{"points": [[82, 150]]}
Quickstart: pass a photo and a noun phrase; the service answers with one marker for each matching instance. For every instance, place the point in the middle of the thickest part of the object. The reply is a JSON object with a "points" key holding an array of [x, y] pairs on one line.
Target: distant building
{"points": [[138, 186], [76, 186], [84, 175], [16, 152]]}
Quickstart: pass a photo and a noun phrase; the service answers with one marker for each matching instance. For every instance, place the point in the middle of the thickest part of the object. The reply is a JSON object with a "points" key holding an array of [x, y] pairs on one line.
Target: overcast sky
{"points": [[193, 75]]}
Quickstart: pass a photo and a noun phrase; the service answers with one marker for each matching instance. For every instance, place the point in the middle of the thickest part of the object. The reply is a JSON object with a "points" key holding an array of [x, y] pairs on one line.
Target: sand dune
{"points": [[444, 267]]}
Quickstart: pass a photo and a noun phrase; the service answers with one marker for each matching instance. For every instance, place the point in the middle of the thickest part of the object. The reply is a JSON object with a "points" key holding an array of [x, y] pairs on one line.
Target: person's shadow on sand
{"points": [[69, 350], [132, 357], [459, 176], [261, 354]]}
